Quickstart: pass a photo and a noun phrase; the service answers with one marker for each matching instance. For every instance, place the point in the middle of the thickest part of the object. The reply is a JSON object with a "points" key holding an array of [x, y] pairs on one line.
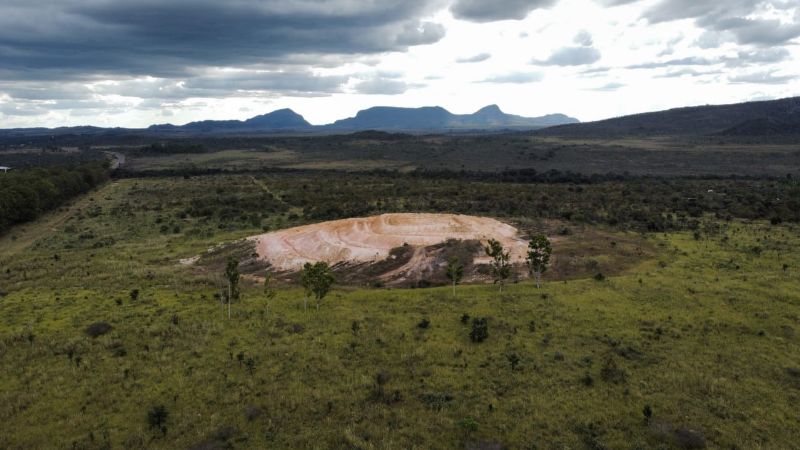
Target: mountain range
{"points": [[381, 118], [772, 118]]}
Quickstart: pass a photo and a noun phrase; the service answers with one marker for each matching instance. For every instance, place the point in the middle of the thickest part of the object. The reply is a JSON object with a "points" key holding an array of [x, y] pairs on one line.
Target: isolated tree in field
{"points": [[323, 280], [269, 289], [501, 267], [317, 280], [539, 251], [455, 271], [232, 276]]}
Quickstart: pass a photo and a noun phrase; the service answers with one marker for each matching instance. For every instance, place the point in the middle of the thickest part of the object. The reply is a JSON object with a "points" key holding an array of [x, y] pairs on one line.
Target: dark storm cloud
{"points": [[731, 17], [491, 11], [164, 39]]}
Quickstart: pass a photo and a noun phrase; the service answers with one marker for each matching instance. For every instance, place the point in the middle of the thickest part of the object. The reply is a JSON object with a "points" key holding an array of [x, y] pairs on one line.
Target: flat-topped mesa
{"points": [[370, 239]]}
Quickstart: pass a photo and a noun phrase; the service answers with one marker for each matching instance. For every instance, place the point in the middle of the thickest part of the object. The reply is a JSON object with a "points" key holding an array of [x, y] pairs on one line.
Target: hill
{"points": [[438, 118], [280, 120], [751, 119]]}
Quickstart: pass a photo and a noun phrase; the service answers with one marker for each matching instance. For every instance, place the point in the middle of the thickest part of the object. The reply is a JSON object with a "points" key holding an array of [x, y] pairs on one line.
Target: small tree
{"points": [[232, 276], [317, 280], [501, 267], [323, 280], [269, 289], [455, 271], [539, 251]]}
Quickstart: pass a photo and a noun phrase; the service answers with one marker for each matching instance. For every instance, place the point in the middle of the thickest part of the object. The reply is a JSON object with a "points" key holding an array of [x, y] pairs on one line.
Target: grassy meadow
{"points": [[689, 343]]}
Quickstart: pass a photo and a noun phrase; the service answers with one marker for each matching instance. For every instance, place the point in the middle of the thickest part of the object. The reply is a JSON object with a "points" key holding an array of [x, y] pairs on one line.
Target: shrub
{"points": [[134, 294], [689, 439], [424, 324], [480, 330], [252, 412], [647, 411], [465, 318], [157, 418], [98, 329], [599, 277], [468, 424], [610, 373]]}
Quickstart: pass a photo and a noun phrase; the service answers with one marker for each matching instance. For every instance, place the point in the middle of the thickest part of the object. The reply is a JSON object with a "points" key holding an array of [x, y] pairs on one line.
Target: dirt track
{"points": [[363, 240]]}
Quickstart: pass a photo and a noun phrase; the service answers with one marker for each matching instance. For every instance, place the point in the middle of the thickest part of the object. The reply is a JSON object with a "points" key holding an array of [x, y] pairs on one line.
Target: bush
{"points": [[468, 424], [465, 319], [480, 330], [689, 439], [424, 324], [599, 277], [610, 373], [157, 418], [252, 412], [98, 329]]}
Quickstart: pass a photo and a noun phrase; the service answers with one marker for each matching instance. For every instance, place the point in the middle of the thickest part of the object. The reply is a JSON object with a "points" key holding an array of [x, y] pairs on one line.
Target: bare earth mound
{"points": [[370, 239]]}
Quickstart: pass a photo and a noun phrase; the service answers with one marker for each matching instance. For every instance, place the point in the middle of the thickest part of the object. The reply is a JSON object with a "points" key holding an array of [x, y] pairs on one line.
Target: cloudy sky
{"points": [[136, 62]]}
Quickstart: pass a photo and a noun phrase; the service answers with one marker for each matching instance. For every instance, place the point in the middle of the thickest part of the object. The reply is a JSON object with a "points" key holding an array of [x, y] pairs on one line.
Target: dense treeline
{"points": [[625, 201], [26, 194], [633, 203]]}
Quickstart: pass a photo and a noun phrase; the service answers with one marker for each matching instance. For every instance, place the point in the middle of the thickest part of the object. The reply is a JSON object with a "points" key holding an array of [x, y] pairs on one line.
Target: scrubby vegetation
{"points": [[110, 337]]}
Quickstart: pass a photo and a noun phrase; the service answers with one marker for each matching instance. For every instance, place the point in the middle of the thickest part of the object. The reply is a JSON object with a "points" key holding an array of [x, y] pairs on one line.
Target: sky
{"points": [[133, 63]]}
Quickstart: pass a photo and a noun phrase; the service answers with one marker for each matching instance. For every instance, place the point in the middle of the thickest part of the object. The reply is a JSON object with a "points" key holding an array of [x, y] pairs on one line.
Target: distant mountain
{"points": [[382, 118], [752, 119], [280, 120], [435, 118]]}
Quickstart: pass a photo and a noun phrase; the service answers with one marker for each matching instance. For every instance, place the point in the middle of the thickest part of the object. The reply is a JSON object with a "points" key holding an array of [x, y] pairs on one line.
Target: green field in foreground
{"points": [[702, 336]]}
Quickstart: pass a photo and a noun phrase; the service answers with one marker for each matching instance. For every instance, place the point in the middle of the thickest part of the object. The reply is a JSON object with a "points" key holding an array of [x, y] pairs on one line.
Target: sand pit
{"points": [[369, 239]]}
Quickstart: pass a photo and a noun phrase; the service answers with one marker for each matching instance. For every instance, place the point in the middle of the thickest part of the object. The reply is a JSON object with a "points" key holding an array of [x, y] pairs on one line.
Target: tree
{"points": [[232, 276], [501, 267], [306, 280], [323, 280], [317, 280], [269, 289], [455, 271], [539, 251]]}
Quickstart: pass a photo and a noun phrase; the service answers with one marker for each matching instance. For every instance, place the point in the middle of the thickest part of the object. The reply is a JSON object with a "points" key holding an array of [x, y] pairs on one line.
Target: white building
{"points": [[4, 169]]}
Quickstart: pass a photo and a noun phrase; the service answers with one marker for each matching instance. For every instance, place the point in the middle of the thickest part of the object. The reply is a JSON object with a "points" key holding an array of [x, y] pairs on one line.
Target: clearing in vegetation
{"points": [[372, 239]]}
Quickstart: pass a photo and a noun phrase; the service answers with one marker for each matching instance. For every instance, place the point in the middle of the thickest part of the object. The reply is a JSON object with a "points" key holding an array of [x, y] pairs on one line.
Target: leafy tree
{"points": [[539, 251], [232, 276], [455, 271], [317, 280], [501, 267]]}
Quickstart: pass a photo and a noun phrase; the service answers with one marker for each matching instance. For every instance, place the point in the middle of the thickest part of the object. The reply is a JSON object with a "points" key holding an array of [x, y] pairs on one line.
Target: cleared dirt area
{"points": [[371, 239]]}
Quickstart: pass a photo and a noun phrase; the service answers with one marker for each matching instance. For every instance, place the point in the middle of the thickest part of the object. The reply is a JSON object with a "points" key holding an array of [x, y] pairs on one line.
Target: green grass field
{"points": [[702, 333]]}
